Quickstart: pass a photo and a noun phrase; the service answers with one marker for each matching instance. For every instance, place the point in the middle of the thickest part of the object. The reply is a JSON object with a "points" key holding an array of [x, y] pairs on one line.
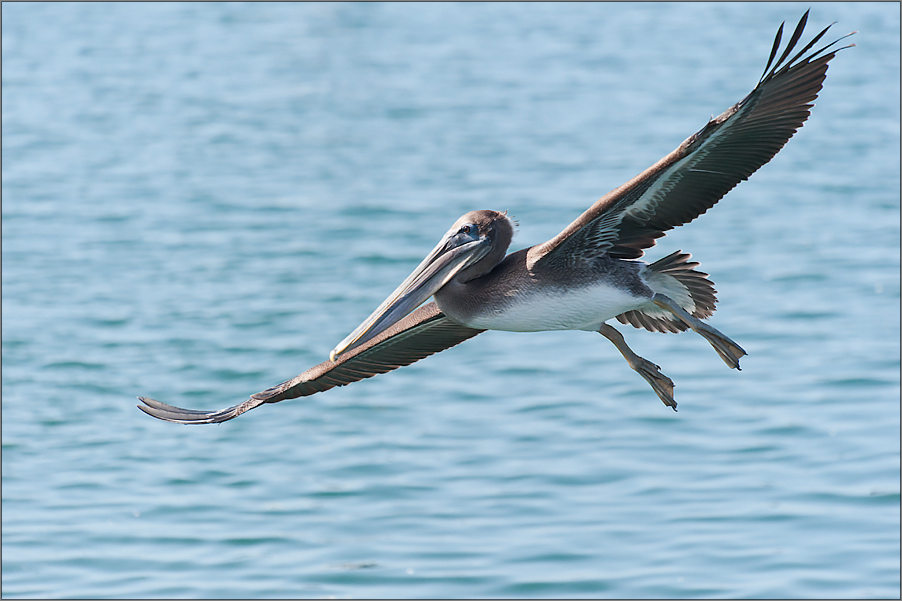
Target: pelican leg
{"points": [[661, 384], [728, 350]]}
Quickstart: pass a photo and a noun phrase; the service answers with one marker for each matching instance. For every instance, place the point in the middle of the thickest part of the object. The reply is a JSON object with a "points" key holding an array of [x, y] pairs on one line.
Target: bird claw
{"points": [[661, 384], [728, 350]]}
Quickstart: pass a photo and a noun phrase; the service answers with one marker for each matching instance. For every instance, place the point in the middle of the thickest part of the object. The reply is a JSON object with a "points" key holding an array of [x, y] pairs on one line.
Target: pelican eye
{"points": [[467, 229]]}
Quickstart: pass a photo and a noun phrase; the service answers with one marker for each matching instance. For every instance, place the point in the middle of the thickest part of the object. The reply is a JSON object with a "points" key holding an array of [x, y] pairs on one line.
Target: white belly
{"points": [[578, 309]]}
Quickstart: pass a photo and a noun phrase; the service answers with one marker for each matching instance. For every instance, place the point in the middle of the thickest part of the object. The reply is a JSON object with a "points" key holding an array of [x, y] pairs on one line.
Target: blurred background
{"points": [[200, 200]]}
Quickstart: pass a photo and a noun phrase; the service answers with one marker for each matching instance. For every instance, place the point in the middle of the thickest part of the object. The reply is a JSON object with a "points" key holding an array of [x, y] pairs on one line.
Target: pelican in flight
{"points": [[590, 272]]}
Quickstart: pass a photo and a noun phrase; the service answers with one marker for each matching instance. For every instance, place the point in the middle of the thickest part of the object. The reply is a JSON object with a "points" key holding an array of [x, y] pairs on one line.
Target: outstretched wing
{"points": [[422, 333], [692, 178]]}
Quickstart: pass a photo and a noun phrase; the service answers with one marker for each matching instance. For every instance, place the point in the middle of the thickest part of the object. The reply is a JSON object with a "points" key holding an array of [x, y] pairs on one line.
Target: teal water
{"points": [[200, 200]]}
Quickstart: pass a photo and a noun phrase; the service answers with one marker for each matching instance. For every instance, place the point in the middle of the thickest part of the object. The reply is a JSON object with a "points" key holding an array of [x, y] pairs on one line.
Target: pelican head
{"points": [[473, 246]]}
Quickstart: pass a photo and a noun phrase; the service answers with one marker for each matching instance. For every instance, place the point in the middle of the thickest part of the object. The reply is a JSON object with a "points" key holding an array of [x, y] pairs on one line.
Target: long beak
{"points": [[444, 262]]}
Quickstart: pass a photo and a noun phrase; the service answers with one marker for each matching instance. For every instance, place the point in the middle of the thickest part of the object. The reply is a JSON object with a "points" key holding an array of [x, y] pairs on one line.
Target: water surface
{"points": [[200, 200]]}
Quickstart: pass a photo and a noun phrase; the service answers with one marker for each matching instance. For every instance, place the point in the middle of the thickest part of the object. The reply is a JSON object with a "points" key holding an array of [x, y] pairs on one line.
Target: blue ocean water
{"points": [[200, 200]]}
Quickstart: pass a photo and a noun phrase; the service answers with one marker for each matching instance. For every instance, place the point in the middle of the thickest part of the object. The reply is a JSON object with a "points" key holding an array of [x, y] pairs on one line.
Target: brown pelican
{"points": [[586, 275]]}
